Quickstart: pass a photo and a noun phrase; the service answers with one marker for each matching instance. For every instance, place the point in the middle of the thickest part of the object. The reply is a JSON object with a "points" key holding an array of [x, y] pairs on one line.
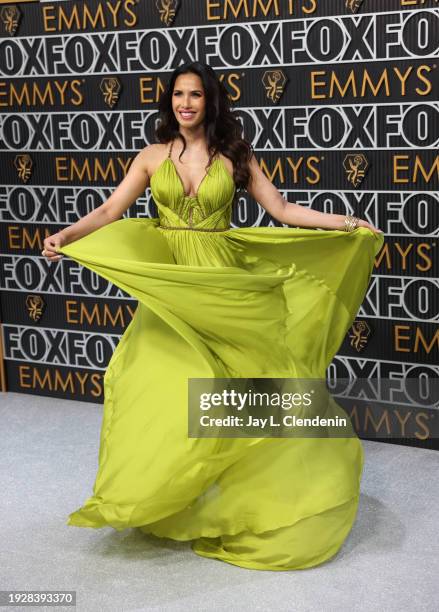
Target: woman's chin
{"points": [[189, 124]]}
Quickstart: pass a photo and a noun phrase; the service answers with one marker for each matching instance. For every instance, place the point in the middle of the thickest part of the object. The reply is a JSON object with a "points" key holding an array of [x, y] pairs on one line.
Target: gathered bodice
{"points": [[210, 208]]}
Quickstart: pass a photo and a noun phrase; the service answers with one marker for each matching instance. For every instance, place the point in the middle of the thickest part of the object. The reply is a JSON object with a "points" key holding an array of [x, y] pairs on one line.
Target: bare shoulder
{"points": [[152, 156]]}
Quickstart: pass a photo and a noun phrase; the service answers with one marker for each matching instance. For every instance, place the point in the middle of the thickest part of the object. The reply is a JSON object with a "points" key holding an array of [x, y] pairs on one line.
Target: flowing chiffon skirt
{"points": [[259, 302]]}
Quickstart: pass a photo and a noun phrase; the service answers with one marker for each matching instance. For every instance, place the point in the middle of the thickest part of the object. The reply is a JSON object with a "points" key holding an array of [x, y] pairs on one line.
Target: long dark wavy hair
{"points": [[222, 127]]}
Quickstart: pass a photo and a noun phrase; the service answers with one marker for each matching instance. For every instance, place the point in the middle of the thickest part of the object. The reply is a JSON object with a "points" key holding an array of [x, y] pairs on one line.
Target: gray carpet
{"points": [[390, 561]]}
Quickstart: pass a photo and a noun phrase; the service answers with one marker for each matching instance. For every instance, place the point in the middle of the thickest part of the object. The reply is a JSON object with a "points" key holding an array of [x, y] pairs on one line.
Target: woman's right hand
{"points": [[52, 242]]}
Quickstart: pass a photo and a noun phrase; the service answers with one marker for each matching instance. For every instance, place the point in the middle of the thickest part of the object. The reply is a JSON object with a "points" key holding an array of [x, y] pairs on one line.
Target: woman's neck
{"points": [[195, 139]]}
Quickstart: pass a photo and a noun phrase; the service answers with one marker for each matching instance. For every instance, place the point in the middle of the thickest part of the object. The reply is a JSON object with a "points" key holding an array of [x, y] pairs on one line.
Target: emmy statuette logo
{"points": [[9, 17], [274, 83], [359, 335], [23, 163], [168, 10], [353, 5], [355, 166], [35, 306], [110, 88]]}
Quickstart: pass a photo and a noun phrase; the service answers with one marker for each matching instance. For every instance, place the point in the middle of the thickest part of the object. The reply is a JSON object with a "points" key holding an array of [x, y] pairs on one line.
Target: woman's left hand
{"points": [[363, 223]]}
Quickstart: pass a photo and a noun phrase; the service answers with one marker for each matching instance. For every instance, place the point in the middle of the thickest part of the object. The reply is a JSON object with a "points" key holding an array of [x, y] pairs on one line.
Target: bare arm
{"points": [[268, 196], [129, 189]]}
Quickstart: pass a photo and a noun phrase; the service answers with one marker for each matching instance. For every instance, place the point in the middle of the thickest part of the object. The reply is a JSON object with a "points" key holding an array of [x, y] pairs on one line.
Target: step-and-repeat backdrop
{"points": [[340, 101]]}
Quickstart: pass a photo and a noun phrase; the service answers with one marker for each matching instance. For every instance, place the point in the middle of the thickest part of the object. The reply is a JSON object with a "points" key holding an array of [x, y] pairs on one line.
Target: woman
{"points": [[215, 302]]}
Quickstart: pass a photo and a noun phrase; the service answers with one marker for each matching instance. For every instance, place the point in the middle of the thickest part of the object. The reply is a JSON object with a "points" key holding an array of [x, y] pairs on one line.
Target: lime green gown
{"points": [[215, 301]]}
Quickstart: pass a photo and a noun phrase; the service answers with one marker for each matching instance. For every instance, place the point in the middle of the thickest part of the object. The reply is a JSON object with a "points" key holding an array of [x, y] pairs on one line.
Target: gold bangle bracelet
{"points": [[350, 223]]}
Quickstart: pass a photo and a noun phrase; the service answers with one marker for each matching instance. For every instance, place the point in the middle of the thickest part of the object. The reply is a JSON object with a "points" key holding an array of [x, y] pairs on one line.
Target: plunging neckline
{"points": [[180, 182], [186, 195]]}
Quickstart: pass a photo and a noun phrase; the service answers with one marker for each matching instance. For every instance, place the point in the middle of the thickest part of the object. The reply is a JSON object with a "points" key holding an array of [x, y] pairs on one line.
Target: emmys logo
{"points": [[110, 87], [35, 306], [274, 83], [168, 10], [10, 16], [353, 5], [23, 163], [360, 332], [355, 166]]}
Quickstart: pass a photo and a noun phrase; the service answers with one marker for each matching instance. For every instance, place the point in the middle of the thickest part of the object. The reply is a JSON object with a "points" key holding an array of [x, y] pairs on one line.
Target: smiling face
{"points": [[188, 100]]}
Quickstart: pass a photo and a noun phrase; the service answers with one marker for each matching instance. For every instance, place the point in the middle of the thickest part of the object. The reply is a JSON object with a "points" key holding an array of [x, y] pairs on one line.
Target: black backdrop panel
{"points": [[351, 78]]}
